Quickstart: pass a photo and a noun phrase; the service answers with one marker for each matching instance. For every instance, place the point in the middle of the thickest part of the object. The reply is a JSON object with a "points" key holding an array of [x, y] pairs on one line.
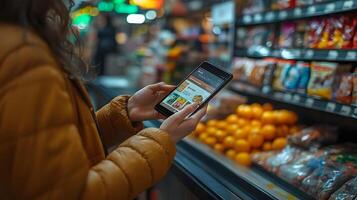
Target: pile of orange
{"points": [[253, 128]]}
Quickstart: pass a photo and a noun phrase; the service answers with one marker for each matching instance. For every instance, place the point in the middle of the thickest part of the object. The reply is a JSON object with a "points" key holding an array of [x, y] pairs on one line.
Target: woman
{"points": [[50, 146]]}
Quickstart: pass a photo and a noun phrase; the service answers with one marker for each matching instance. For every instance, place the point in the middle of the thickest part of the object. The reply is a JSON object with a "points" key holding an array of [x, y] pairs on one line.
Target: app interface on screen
{"points": [[197, 88]]}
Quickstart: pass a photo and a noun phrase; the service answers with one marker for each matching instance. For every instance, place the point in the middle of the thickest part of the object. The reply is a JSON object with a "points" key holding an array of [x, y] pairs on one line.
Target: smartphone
{"points": [[200, 86]]}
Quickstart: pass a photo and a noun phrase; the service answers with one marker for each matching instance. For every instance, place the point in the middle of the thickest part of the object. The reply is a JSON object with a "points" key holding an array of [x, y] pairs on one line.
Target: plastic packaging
{"points": [[314, 137], [347, 192], [345, 88], [321, 80]]}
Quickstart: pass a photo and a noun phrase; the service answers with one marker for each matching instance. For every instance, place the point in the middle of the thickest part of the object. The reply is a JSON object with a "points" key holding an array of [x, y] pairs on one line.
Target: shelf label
{"points": [[287, 97], [266, 89], [283, 14], [330, 7], [247, 19], [351, 55], [278, 95], [333, 54], [309, 102], [297, 53], [348, 4], [311, 10], [309, 54], [258, 17], [297, 12], [345, 110], [330, 107], [296, 98], [270, 16]]}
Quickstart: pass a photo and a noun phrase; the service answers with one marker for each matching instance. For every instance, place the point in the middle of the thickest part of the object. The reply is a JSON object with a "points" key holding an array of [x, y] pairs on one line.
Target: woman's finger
{"points": [[200, 114], [161, 87], [182, 114]]}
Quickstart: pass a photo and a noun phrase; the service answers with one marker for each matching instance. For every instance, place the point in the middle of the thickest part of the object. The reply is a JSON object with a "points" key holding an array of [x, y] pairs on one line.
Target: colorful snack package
{"points": [[242, 68], [314, 33], [355, 40], [349, 30], [347, 192], [327, 35], [269, 73], [283, 4], [345, 88], [286, 38], [287, 155], [281, 72], [261, 158], [299, 34], [304, 71], [321, 79]]}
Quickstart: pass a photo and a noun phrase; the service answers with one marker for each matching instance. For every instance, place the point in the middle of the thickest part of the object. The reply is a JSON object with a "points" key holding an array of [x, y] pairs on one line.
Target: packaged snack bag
{"points": [[257, 75], [260, 36], [262, 157], [269, 73], [283, 4], [321, 79], [281, 73], [314, 33], [354, 91], [314, 137], [287, 155], [327, 34], [347, 192], [304, 71], [355, 40], [299, 34], [286, 38], [344, 92], [242, 68], [349, 30]]}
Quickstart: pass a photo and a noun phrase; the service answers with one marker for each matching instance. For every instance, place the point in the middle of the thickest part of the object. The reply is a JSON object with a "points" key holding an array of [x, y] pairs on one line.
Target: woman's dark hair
{"points": [[50, 19]]}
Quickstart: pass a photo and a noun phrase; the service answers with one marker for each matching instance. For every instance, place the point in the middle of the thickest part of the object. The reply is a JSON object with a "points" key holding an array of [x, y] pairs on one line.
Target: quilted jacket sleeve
{"points": [[41, 154], [114, 122]]}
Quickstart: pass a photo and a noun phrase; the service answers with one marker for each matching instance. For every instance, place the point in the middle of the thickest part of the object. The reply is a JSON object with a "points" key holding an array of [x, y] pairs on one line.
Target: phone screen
{"points": [[198, 87]]}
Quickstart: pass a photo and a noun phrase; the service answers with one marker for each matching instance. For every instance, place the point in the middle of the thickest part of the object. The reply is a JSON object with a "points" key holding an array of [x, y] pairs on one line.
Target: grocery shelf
{"points": [[297, 13], [299, 53]]}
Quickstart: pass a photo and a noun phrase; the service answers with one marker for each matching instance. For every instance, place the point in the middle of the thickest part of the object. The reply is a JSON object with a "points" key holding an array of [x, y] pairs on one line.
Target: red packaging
{"points": [[344, 91], [314, 33], [327, 33], [354, 91], [349, 30]]}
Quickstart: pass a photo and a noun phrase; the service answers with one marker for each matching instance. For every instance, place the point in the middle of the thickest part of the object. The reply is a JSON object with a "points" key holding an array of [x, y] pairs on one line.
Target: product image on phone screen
{"points": [[198, 87]]}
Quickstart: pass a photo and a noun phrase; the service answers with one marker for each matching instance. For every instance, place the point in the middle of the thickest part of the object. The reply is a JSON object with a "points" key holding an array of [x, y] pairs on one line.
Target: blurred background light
{"points": [[135, 19], [151, 15]]}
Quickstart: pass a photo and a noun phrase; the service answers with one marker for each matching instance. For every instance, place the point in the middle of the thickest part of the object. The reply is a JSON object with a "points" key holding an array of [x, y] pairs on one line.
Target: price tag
{"points": [[258, 17], [296, 98], [351, 55], [333, 54], [269, 16], [247, 19], [311, 10], [287, 97], [297, 12], [348, 4], [283, 14], [309, 54], [330, 107], [297, 53], [309, 102], [345, 110], [330, 7], [266, 89]]}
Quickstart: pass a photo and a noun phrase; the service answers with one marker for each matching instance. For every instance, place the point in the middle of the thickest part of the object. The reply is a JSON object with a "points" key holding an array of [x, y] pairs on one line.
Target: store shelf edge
{"points": [[297, 13], [344, 55]]}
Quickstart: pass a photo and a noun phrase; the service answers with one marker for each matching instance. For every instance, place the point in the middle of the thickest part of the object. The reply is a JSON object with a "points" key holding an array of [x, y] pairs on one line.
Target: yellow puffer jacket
{"points": [[49, 142]]}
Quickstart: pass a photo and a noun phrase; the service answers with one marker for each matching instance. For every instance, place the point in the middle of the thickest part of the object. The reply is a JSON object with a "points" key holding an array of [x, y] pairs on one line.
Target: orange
{"points": [[200, 128], [257, 111], [231, 153], [267, 146], [245, 111], [228, 141], [279, 143], [222, 125], [242, 122], [267, 107], [232, 128], [220, 135], [282, 131], [241, 146], [268, 117], [256, 105], [268, 131], [232, 119], [241, 133], [255, 140], [211, 130], [254, 131], [292, 118], [243, 158], [256, 123], [210, 141], [203, 136], [281, 116], [212, 123], [218, 147]]}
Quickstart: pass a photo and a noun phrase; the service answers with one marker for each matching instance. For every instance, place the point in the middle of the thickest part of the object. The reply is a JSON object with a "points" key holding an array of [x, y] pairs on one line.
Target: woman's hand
{"points": [[141, 106], [178, 125]]}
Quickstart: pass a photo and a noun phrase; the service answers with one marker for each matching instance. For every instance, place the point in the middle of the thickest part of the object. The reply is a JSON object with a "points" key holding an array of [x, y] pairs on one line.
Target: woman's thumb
{"points": [[181, 115]]}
